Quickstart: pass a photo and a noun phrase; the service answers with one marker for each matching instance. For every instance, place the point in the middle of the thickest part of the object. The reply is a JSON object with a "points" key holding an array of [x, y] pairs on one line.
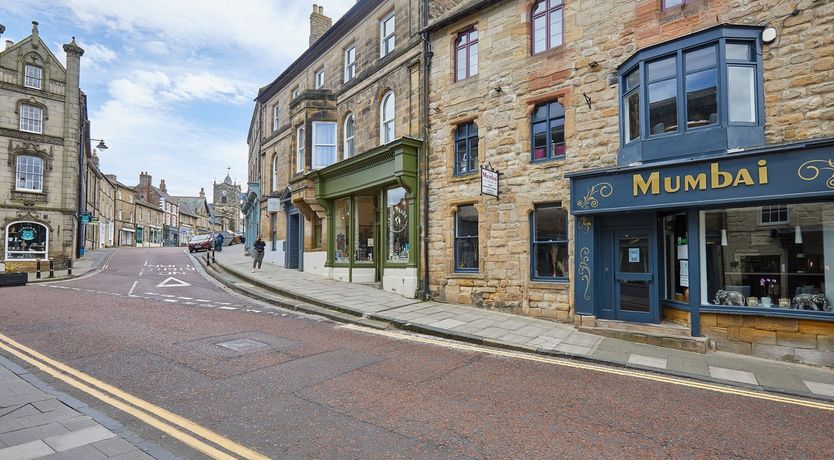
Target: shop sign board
{"points": [[785, 173], [86, 217], [273, 205], [489, 181]]}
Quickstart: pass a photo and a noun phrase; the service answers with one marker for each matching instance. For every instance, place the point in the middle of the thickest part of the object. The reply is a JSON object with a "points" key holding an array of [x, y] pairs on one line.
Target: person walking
{"points": [[260, 247], [218, 242]]}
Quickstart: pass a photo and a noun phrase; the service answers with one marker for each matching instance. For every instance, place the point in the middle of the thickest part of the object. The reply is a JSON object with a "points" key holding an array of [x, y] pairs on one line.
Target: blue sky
{"points": [[170, 83]]}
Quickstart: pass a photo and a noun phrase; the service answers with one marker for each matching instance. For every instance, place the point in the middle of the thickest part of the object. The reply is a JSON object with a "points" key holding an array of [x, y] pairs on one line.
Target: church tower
{"points": [[226, 203]]}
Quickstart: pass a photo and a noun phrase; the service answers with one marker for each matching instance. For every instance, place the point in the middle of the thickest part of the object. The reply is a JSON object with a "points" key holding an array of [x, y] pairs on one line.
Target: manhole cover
{"points": [[243, 345]]}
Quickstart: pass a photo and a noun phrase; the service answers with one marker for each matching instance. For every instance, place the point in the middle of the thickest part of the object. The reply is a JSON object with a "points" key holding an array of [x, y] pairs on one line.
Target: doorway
{"points": [[630, 293], [295, 233]]}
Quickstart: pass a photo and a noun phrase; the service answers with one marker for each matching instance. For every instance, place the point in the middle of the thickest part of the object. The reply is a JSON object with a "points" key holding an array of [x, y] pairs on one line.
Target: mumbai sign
{"points": [[489, 182]]}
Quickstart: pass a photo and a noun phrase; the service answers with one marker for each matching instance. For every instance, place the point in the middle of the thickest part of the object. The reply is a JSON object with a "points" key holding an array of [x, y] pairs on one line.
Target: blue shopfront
{"points": [[746, 233]]}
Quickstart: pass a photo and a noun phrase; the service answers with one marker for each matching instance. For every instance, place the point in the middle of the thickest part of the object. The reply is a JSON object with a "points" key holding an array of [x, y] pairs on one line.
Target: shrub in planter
{"points": [[10, 276]]}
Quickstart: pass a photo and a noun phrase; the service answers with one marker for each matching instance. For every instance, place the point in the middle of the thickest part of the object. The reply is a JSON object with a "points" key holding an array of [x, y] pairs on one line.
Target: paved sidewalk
{"points": [[35, 424], [92, 260], [494, 328]]}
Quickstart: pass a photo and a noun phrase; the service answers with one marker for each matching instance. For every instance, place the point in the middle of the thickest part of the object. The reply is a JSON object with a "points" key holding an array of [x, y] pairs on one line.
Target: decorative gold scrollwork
{"points": [[585, 269], [810, 170], [604, 189], [585, 223]]}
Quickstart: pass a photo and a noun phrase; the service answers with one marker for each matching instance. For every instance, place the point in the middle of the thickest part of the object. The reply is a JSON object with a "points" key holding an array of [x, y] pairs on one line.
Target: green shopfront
{"points": [[372, 206], [739, 246]]}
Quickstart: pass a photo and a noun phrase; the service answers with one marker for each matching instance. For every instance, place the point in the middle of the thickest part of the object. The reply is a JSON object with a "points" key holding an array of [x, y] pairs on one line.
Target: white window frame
{"points": [[275, 117], [316, 125], [384, 38], [299, 149], [349, 140], [770, 209], [383, 122], [35, 79], [295, 93], [320, 79], [45, 251], [33, 172], [350, 64], [275, 172], [31, 119]]}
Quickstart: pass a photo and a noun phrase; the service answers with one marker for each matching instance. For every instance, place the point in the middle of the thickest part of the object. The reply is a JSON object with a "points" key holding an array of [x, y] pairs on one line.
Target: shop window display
{"points": [[676, 258], [341, 224], [752, 264], [364, 230], [397, 210], [26, 241]]}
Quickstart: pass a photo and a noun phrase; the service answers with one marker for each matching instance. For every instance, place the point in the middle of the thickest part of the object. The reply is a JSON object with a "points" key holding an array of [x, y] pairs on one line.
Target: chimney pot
{"points": [[319, 23]]}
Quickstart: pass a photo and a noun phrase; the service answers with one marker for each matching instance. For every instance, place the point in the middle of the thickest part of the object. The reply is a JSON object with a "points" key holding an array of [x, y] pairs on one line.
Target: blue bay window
{"points": [[698, 95]]}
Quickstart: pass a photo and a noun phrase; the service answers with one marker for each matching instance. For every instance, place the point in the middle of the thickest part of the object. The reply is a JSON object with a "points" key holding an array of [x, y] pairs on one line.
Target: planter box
{"points": [[13, 279]]}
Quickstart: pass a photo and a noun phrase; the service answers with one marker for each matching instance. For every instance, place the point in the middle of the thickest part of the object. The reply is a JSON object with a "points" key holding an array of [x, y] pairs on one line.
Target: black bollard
{"points": [[213, 252], [51, 269], [38, 271], [69, 267]]}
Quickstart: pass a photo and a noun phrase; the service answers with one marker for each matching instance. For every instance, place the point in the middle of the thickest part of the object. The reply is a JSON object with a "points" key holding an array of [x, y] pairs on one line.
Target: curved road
{"points": [[288, 385]]}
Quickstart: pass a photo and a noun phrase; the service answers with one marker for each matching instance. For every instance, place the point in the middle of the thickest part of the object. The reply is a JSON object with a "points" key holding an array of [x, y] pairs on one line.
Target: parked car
{"points": [[200, 242]]}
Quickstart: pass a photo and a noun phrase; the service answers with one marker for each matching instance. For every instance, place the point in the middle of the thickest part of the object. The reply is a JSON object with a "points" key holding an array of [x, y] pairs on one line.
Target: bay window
{"points": [[324, 144], [299, 149]]}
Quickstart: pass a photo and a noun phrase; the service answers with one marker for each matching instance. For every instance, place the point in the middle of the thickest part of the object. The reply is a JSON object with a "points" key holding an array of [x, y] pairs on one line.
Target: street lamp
{"points": [[101, 145]]}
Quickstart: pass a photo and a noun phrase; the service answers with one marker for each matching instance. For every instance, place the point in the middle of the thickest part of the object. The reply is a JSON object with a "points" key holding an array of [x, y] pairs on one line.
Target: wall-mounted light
{"points": [[769, 35], [723, 237], [798, 235]]}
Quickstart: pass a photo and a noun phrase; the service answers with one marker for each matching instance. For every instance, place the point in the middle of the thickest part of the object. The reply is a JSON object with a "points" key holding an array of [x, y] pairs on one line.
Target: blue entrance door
{"points": [[635, 297], [294, 240]]}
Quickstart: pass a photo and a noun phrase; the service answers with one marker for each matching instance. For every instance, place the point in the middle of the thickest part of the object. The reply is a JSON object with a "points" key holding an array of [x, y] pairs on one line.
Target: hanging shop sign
{"points": [[27, 234], [802, 172], [489, 181], [273, 205], [86, 217]]}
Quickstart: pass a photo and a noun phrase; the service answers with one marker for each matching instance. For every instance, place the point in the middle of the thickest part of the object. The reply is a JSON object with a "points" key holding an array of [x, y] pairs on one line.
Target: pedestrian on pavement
{"points": [[259, 246], [218, 242]]}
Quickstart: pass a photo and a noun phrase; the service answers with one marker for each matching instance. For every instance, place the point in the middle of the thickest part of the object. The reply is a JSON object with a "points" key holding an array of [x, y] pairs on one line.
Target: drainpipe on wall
{"points": [[427, 55]]}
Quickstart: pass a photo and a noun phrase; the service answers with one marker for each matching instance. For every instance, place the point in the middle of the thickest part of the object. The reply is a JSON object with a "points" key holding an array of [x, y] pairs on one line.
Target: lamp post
{"points": [[101, 145]]}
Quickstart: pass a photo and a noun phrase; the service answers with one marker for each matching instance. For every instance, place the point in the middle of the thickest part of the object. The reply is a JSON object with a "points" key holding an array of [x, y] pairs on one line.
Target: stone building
{"points": [[198, 208], [101, 205], [227, 204], [40, 137], [338, 149], [149, 221], [125, 215], [168, 206], [658, 161]]}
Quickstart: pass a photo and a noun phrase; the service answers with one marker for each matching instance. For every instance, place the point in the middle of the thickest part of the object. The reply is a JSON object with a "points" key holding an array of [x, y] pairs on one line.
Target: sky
{"points": [[170, 83]]}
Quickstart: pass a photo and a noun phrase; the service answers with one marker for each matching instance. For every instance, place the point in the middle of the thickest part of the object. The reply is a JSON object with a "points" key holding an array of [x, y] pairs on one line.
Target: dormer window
{"points": [[697, 95], [33, 77]]}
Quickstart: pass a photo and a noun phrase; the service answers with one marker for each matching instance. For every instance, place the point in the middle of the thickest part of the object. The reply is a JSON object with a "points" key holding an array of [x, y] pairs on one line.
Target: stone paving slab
{"points": [[496, 328], [35, 424]]}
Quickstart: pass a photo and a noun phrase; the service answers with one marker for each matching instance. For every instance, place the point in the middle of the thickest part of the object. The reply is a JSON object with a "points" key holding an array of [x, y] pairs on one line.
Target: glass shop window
{"points": [[341, 224], [550, 243], [466, 239], [676, 257], [26, 241], [397, 228], [770, 264], [364, 229]]}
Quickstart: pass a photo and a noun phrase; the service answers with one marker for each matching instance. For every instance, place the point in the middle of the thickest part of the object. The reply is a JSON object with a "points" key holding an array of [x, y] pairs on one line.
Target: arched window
{"points": [[350, 133], [548, 124], [29, 174], [547, 25], [26, 241], [386, 128], [275, 172]]}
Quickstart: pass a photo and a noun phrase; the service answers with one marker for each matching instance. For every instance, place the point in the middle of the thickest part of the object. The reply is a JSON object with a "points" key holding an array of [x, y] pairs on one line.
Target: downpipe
{"points": [[427, 55]]}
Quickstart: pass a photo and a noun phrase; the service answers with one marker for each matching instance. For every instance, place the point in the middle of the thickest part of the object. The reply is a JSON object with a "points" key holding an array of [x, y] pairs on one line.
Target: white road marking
{"points": [[228, 308], [202, 300], [170, 300], [172, 282], [130, 293], [185, 298], [146, 264]]}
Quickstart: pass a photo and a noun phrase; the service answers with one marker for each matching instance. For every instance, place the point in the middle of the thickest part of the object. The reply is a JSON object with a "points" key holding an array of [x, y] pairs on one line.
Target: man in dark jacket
{"points": [[218, 242], [260, 247]]}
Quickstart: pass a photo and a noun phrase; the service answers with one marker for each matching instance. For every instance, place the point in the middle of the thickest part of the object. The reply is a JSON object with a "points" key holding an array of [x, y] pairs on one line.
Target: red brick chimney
{"points": [[145, 185], [162, 185]]}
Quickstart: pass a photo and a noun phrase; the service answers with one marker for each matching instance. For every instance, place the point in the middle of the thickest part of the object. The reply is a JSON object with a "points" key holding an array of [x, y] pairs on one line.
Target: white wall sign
{"points": [[489, 182], [273, 205]]}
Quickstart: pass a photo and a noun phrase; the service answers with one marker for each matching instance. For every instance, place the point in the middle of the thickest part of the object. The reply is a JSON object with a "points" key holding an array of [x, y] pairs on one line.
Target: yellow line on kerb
{"points": [[149, 413], [599, 368]]}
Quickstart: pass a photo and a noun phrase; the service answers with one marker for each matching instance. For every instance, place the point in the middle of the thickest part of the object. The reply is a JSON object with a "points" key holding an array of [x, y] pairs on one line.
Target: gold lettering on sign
{"points": [[717, 178]]}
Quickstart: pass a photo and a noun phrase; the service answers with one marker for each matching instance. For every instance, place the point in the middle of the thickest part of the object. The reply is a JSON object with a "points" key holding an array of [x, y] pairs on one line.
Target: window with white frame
{"points": [[387, 38], [295, 93], [29, 174], [350, 136], [31, 119], [275, 120], [275, 172], [350, 63], [774, 214], [387, 115], [33, 77], [324, 144], [26, 241], [299, 149], [320, 79]]}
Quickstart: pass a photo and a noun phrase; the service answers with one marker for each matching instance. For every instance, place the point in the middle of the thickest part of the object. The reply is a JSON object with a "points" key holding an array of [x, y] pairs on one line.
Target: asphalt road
{"points": [[304, 387]]}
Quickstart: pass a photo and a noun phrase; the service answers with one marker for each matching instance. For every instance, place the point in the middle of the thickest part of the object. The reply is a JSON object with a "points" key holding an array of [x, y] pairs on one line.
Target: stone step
{"points": [[695, 344], [664, 328]]}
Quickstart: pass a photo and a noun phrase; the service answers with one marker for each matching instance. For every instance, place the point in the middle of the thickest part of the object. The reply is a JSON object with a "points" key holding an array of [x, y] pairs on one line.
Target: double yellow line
{"points": [[599, 368], [180, 428]]}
